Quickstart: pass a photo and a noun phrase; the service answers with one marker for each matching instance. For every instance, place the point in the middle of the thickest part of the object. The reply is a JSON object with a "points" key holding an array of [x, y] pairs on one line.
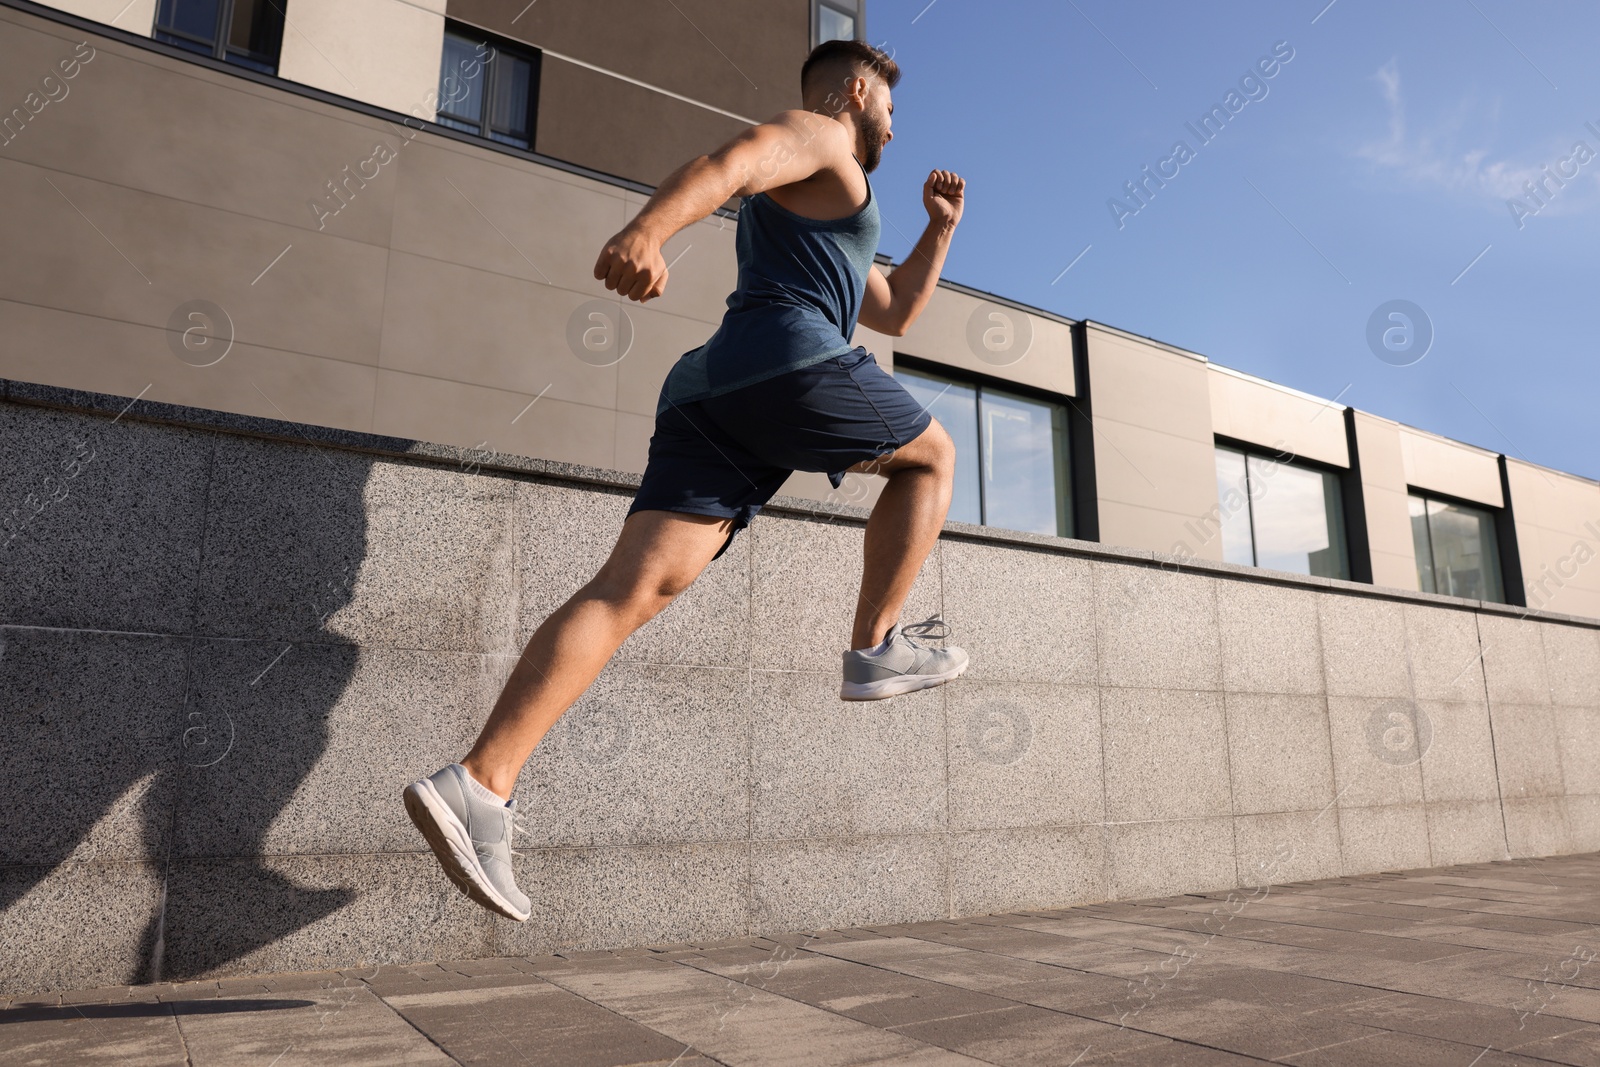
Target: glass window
{"points": [[487, 90], [1457, 553], [247, 32], [1280, 515], [1233, 497], [1011, 454], [834, 24], [1024, 453], [956, 408]]}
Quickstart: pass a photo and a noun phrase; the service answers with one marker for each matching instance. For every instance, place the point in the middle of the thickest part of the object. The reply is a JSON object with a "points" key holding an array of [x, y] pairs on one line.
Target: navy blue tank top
{"points": [[800, 286]]}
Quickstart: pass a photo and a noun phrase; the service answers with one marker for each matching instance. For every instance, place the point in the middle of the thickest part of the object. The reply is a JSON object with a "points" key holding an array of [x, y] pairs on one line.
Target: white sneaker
{"points": [[471, 838], [901, 664]]}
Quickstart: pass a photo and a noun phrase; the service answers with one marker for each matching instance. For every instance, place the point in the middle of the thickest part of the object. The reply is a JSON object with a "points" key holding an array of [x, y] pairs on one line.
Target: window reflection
{"points": [[1457, 553], [1011, 454], [1280, 515]]}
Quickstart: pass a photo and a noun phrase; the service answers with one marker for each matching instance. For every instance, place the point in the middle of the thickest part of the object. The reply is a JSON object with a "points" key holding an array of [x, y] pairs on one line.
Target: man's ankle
{"points": [[497, 784]]}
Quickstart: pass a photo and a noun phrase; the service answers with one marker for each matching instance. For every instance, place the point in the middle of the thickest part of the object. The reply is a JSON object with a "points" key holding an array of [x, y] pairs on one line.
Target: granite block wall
{"points": [[227, 643]]}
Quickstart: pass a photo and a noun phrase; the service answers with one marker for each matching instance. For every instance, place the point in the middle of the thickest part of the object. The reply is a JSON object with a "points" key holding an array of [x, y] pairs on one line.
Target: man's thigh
{"points": [[664, 550], [923, 450]]}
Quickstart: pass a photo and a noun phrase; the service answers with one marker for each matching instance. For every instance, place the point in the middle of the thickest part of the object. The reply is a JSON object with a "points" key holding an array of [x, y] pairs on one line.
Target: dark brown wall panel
{"points": [[742, 56], [592, 119]]}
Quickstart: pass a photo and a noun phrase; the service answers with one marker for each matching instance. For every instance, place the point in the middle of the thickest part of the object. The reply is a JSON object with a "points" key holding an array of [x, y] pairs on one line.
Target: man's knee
{"points": [[933, 449], [642, 591]]}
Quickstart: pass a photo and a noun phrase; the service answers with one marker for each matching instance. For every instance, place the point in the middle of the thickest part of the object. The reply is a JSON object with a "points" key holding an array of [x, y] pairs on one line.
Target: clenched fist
{"points": [[942, 195], [631, 264]]}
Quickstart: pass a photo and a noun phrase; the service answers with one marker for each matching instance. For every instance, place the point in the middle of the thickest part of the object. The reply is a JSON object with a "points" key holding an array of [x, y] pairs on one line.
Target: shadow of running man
{"points": [[158, 737]]}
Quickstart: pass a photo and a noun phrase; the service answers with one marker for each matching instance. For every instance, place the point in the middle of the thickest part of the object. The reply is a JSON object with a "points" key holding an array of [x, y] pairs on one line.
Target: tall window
{"points": [[835, 20], [246, 32], [487, 89], [1280, 515], [1457, 553], [1011, 453]]}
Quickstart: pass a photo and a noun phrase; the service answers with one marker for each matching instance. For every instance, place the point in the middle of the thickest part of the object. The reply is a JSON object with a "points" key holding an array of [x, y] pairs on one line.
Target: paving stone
{"points": [[535, 1024], [1028, 1035], [344, 1024], [857, 991], [729, 1021], [1441, 966], [148, 1039], [1387, 1049]]}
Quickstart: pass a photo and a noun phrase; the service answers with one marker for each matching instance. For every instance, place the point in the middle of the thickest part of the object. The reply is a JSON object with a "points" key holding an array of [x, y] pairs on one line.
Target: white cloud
{"points": [[1434, 157]]}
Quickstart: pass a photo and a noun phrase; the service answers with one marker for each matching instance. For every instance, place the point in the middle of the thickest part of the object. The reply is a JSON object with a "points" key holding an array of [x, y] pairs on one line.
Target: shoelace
{"points": [[931, 629]]}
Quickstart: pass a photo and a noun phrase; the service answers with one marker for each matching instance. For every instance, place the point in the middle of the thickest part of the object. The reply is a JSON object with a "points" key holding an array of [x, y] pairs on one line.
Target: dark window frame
{"points": [[1292, 459], [218, 47], [1496, 525], [520, 50], [1067, 463], [856, 9]]}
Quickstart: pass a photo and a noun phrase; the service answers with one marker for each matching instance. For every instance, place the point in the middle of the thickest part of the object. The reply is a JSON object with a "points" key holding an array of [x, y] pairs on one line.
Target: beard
{"points": [[872, 133]]}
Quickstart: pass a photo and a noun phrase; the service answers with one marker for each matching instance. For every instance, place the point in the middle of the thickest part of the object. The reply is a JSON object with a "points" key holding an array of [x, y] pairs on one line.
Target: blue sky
{"points": [[1374, 165]]}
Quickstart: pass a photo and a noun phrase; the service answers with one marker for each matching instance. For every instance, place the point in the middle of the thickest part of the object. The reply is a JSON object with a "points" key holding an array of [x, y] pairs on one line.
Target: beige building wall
{"points": [[1384, 492], [383, 52], [430, 298], [356, 274], [1022, 346], [1450, 467], [1558, 536], [1154, 450], [431, 301], [137, 16], [1274, 416]]}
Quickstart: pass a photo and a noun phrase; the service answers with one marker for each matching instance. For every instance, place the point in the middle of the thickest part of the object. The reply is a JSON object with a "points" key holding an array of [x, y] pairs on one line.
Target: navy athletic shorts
{"points": [[727, 455]]}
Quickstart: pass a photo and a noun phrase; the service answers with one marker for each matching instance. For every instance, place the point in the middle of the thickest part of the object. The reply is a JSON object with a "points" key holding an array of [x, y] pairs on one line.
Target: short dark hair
{"points": [[836, 57]]}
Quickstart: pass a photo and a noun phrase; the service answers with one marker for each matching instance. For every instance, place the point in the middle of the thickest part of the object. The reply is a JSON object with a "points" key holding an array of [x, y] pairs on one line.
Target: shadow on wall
{"points": [[167, 676]]}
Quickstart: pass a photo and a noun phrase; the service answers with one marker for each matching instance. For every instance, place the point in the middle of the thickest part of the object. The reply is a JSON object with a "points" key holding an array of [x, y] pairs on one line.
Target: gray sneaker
{"points": [[470, 836], [905, 666]]}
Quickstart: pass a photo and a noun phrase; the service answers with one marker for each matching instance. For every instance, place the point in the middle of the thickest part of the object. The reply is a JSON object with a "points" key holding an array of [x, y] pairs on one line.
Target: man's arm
{"points": [[892, 304], [790, 148]]}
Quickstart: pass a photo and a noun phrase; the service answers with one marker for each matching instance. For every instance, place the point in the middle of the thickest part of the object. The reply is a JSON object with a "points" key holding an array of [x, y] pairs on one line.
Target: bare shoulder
{"points": [[817, 131]]}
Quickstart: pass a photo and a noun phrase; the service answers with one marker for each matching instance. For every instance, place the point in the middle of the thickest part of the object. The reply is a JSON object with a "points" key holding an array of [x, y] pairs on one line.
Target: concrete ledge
{"points": [[477, 461], [226, 643]]}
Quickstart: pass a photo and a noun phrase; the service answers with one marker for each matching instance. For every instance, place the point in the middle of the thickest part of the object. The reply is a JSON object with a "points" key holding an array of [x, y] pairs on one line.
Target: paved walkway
{"points": [[1474, 966]]}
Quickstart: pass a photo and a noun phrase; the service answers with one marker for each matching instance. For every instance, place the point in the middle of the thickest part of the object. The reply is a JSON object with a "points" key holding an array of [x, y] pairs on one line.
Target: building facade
{"points": [[381, 216], [311, 412]]}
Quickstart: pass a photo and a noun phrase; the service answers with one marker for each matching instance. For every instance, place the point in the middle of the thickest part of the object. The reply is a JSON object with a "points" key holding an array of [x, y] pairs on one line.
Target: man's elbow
{"points": [[900, 324]]}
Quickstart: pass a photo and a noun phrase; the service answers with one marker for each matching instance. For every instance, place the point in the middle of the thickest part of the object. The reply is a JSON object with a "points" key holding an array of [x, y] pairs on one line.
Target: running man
{"points": [[777, 389]]}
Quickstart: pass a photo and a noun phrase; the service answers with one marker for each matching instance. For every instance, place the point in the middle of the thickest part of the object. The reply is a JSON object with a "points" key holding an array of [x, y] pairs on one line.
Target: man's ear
{"points": [[856, 90]]}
